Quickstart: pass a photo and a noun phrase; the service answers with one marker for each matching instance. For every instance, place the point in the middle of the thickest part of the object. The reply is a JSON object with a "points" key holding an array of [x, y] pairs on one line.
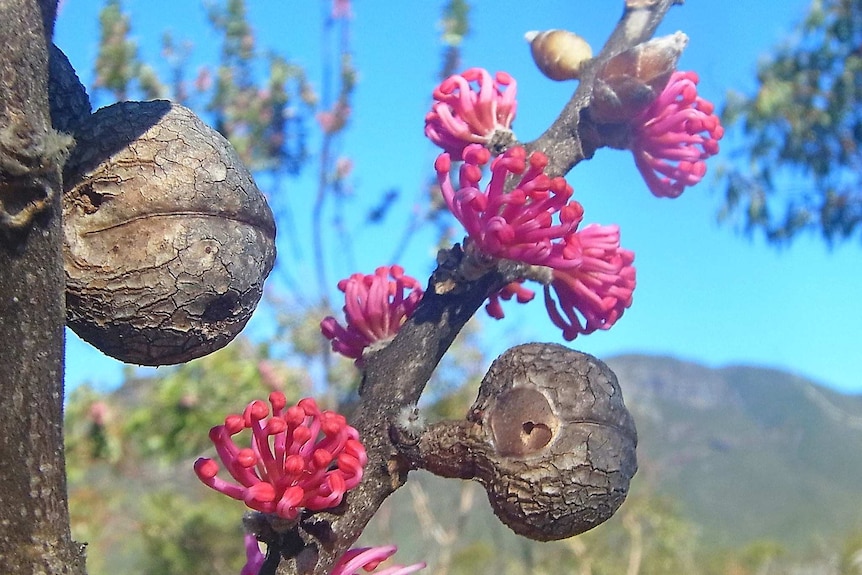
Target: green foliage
{"points": [[747, 451], [263, 119], [802, 129], [192, 538], [455, 22], [91, 432], [850, 557], [175, 411], [787, 442], [260, 102], [118, 68], [455, 26]]}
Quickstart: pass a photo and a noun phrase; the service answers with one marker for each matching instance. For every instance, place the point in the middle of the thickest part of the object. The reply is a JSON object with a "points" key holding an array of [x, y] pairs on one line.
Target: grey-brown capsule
{"points": [[549, 437], [559, 54], [167, 238]]}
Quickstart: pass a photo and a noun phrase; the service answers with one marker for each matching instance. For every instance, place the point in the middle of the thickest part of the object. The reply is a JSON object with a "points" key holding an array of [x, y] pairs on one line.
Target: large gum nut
{"points": [[168, 240], [563, 443]]}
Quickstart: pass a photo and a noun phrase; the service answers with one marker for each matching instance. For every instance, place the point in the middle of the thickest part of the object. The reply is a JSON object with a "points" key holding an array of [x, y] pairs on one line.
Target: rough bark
{"points": [[34, 518]]}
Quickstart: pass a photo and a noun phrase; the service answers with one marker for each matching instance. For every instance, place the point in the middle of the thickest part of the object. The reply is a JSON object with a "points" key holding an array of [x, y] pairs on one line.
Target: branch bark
{"points": [[34, 537]]}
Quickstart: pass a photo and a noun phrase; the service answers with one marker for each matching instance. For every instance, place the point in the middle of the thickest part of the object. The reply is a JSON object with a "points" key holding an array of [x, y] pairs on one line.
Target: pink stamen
{"points": [[468, 109], [529, 223], [368, 559], [314, 458], [595, 294], [375, 308], [674, 135]]}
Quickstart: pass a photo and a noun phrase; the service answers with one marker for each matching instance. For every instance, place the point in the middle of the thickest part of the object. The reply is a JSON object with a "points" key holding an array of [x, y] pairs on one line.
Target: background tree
{"points": [[798, 164]]}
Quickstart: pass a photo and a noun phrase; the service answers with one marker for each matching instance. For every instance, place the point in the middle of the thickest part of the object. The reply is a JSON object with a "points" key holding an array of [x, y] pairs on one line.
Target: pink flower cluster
{"points": [[300, 457], [519, 224], [375, 307], [536, 223], [674, 135], [462, 114], [600, 288]]}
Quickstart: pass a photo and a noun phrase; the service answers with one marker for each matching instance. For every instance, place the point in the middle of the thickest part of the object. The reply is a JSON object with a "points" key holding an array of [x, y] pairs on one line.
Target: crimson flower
{"points": [[462, 114], [375, 307], [514, 289], [516, 225], [674, 135], [300, 457], [599, 289]]}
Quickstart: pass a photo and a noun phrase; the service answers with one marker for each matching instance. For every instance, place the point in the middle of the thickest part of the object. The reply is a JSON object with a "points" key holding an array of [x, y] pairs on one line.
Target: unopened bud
{"points": [[631, 80]]}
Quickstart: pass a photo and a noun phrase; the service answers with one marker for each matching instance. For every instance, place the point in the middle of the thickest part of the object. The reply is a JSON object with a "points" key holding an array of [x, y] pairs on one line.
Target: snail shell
{"points": [[559, 54]]}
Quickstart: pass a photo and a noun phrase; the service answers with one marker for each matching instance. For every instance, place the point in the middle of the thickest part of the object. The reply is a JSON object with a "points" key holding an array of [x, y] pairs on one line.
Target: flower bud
{"points": [[629, 82]]}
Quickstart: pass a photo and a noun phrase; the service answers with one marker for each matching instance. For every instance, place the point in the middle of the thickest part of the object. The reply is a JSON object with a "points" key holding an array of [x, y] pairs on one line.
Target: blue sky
{"points": [[704, 293]]}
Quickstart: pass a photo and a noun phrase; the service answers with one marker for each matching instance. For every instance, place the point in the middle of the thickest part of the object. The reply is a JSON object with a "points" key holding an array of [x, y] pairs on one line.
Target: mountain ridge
{"points": [[750, 452]]}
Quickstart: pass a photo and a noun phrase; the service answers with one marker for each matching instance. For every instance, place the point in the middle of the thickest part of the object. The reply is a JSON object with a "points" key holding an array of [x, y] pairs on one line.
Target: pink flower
{"points": [[674, 135], [514, 289], [300, 457], [341, 9], [375, 307], [99, 413], [463, 115], [368, 558], [516, 225], [331, 121], [343, 167], [254, 557], [365, 558], [600, 288]]}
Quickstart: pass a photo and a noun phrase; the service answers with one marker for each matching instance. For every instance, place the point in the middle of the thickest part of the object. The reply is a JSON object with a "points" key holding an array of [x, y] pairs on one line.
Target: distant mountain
{"points": [[750, 453]]}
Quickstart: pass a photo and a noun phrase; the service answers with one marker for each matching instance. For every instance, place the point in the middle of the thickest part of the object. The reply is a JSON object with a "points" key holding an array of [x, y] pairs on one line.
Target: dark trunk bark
{"points": [[34, 516]]}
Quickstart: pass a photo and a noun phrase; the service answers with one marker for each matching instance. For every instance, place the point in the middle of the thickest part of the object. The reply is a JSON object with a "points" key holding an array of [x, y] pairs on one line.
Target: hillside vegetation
{"points": [[742, 470]]}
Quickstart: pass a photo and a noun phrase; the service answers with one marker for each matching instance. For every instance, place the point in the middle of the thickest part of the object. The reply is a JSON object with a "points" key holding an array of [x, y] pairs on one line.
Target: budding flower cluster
{"points": [[300, 457], [375, 306], [674, 135], [462, 115], [537, 224]]}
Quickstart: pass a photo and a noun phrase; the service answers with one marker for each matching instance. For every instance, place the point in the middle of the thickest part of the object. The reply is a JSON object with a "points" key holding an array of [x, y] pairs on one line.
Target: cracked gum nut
{"points": [[167, 239], [561, 441]]}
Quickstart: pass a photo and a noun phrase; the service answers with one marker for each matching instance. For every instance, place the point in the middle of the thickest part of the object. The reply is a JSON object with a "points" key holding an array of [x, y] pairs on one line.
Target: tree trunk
{"points": [[34, 516]]}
